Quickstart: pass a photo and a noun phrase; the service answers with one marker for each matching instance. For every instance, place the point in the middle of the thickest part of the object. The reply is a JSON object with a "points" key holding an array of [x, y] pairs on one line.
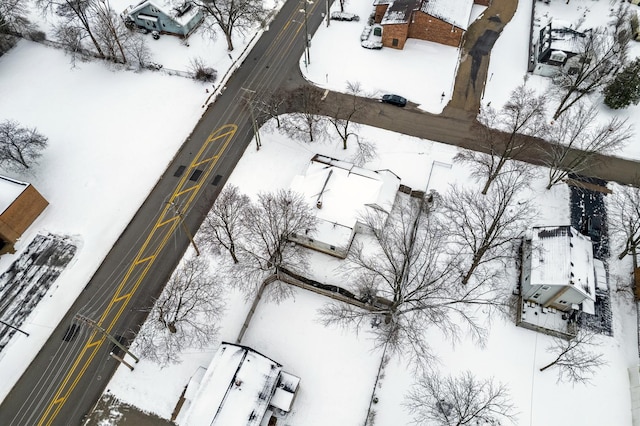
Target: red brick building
{"points": [[440, 21], [20, 205]]}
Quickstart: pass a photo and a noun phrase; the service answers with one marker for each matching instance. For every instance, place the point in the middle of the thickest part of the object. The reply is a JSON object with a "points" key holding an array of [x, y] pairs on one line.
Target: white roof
{"points": [[562, 256], [168, 8], [345, 191], [236, 390], [10, 190], [287, 387], [455, 12]]}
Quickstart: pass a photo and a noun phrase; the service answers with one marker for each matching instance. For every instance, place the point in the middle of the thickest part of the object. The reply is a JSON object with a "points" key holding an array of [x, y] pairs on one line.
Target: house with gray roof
{"points": [[180, 18]]}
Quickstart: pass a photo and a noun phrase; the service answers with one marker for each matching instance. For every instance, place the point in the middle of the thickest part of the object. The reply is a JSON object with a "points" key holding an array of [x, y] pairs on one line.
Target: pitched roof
{"points": [[455, 12], [399, 12], [562, 256], [236, 389], [181, 11], [10, 190]]}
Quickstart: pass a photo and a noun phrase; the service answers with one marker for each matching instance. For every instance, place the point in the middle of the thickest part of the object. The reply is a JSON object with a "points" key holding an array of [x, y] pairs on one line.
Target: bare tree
{"points": [[574, 359], [575, 141], [601, 54], [184, 316], [136, 49], [109, 29], [624, 218], [201, 71], [456, 401], [271, 104], [223, 225], [342, 117], [306, 123], [502, 134], [409, 279], [76, 18], [232, 15], [13, 22], [365, 152], [269, 223], [487, 228], [20, 147]]}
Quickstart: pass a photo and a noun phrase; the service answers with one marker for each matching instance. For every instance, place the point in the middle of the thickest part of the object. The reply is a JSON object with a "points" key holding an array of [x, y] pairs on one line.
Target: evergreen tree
{"points": [[624, 90]]}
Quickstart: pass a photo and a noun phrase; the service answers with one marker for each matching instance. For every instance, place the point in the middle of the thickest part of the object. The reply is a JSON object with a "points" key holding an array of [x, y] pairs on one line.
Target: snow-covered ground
{"points": [[513, 355], [113, 132]]}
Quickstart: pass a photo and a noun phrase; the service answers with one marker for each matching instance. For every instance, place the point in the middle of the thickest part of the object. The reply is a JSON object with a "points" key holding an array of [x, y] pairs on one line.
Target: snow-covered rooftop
{"points": [[344, 191], [562, 256], [455, 12], [10, 189], [399, 11], [236, 390], [181, 11]]}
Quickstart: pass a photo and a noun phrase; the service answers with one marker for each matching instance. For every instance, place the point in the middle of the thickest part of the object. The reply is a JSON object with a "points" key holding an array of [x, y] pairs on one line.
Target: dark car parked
{"points": [[394, 100]]}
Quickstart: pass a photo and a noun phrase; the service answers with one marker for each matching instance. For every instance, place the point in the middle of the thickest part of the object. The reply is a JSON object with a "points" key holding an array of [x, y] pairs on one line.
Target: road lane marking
{"points": [[225, 134]]}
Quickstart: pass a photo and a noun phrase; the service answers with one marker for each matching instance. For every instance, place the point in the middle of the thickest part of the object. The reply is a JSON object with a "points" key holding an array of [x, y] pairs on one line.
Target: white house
{"points": [[558, 268], [179, 17], [340, 193], [556, 48], [240, 387]]}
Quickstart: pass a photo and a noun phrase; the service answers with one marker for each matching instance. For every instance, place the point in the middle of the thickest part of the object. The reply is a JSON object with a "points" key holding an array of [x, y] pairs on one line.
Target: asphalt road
{"points": [[66, 378]]}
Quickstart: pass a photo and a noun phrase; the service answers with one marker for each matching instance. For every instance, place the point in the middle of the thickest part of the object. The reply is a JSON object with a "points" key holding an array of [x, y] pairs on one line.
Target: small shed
{"points": [[178, 17], [20, 205]]}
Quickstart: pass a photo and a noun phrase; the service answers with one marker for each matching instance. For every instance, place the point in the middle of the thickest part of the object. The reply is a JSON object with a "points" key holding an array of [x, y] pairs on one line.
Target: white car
{"points": [[344, 16]]}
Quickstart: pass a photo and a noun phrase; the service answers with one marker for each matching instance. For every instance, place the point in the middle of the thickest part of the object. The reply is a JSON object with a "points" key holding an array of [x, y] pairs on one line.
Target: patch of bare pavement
{"points": [[109, 411]]}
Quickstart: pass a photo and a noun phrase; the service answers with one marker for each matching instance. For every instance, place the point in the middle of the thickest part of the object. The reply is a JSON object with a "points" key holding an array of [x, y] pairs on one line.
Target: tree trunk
{"points": [[227, 35], [549, 365]]}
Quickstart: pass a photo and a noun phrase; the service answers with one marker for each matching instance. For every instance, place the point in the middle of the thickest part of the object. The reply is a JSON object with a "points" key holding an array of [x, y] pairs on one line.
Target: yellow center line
{"points": [[63, 392]]}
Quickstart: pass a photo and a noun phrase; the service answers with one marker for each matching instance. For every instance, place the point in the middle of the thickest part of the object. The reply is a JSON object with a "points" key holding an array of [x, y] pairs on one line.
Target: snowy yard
{"points": [[97, 117], [513, 355]]}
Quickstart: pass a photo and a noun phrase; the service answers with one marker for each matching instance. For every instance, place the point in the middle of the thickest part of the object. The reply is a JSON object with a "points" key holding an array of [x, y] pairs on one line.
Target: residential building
{"points": [[556, 48], [341, 193], [165, 16], [440, 21], [20, 205], [240, 387], [558, 268]]}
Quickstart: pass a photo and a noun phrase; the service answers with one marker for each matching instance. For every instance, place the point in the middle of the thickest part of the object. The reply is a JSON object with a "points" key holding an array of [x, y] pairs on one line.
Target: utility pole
{"points": [[112, 339], [254, 123], [306, 33], [326, 4], [184, 226], [14, 327]]}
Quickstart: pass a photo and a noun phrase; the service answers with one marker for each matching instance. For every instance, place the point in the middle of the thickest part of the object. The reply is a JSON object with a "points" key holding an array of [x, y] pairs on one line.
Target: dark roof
{"points": [[399, 12]]}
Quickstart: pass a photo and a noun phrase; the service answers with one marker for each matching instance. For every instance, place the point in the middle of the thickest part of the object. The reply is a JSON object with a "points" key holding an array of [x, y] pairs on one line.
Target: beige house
{"points": [[20, 205]]}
